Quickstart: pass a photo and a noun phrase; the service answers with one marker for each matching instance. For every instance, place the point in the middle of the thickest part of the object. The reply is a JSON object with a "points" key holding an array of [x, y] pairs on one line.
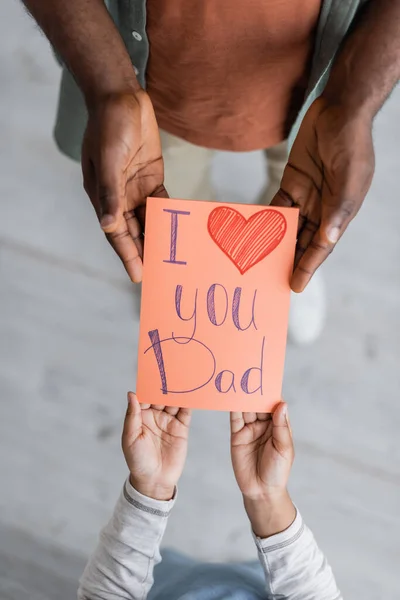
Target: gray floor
{"points": [[68, 329]]}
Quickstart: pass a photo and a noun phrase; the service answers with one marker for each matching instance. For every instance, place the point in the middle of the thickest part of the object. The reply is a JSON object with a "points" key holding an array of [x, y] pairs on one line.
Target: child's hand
{"points": [[154, 442], [262, 456]]}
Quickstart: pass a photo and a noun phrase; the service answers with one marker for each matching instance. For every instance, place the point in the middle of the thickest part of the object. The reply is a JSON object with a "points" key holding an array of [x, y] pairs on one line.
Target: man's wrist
{"points": [[349, 105], [342, 111], [341, 93], [271, 513], [97, 96], [154, 490]]}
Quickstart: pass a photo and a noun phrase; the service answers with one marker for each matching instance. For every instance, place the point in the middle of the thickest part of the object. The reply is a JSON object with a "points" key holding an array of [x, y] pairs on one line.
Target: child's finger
{"points": [[237, 422], [172, 410], [281, 431], [184, 415], [133, 418], [249, 417], [263, 416]]}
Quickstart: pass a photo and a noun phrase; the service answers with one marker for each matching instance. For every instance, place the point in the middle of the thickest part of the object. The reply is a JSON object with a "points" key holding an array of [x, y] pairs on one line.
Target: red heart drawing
{"points": [[246, 241]]}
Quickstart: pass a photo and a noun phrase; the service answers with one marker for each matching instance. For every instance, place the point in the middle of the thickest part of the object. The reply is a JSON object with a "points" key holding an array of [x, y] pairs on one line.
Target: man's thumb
{"points": [[111, 195], [107, 222]]}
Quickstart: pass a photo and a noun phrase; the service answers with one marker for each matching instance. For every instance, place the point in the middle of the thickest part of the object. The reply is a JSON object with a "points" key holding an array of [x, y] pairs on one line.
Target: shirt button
{"points": [[136, 70], [137, 36]]}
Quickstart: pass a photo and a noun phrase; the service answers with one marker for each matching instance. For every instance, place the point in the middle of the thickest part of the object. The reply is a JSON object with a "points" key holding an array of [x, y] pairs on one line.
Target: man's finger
{"points": [[140, 211], [135, 230], [336, 219], [123, 244], [285, 200], [304, 239], [160, 192], [135, 218], [282, 199], [318, 250], [336, 216], [90, 185], [111, 188]]}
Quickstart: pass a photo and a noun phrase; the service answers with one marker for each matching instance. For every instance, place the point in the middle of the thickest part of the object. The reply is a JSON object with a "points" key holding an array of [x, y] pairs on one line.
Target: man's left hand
{"points": [[328, 175]]}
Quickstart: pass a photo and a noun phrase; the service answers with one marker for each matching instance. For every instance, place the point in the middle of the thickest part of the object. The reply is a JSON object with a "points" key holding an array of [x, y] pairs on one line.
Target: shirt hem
{"points": [[225, 143]]}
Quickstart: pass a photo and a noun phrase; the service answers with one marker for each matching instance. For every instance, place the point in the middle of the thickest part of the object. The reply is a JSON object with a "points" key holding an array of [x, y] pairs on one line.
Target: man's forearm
{"points": [[368, 65], [85, 36]]}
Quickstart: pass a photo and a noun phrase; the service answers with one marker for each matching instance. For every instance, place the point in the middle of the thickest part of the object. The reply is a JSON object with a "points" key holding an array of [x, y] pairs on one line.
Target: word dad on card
{"points": [[215, 304]]}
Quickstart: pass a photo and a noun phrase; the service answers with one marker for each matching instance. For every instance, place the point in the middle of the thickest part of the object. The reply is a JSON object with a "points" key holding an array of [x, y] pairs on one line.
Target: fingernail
{"points": [[106, 221], [333, 234], [285, 411]]}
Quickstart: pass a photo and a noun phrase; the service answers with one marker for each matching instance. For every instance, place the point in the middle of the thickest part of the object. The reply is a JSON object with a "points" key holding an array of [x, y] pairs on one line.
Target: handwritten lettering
{"points": [[178, 302], [215, 304], [158, 347], [237, 294], [211, 304], [224, 380], [244, 383], [174, 235], [218, 382]]}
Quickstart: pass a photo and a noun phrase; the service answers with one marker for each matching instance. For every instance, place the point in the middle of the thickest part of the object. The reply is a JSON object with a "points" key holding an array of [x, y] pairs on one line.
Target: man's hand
{"points": [[121, 155], [154, 441], [327, 177], [331, 164], [262, 457], [122, 165]]}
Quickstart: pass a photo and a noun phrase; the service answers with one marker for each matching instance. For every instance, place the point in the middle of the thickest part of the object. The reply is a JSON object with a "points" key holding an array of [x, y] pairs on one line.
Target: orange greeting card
{"points": [[215, 304]]}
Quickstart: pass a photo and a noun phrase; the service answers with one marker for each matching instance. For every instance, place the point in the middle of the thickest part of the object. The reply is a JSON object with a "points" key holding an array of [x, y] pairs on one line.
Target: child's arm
{"points": [[294, 566], [262, 456], [128, 549], [154, 442]]}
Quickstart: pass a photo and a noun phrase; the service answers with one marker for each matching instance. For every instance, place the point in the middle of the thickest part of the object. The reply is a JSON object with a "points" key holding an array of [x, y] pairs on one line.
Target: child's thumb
{"points": [[133, 417], [281, 431]]}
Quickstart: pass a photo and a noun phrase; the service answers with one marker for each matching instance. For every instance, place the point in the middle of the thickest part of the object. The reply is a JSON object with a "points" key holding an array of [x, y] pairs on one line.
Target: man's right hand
{"points": [[122, 165]]}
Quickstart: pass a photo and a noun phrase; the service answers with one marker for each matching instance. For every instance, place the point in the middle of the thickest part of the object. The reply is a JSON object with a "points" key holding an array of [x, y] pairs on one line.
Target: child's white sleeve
{"points": [[294, 566], [121, 566]]}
